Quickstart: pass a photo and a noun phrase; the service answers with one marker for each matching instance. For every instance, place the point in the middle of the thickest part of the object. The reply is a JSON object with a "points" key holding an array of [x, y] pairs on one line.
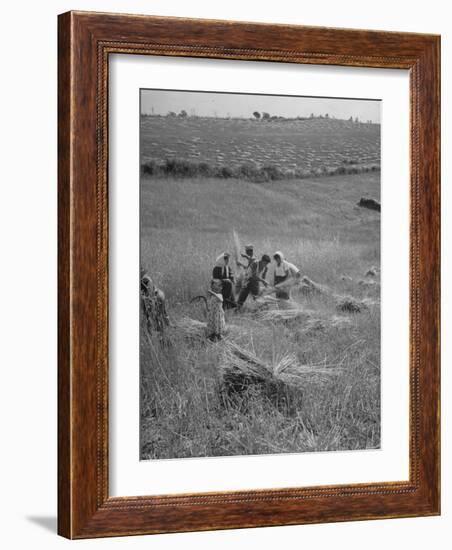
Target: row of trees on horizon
{"points": [[260, 116]]}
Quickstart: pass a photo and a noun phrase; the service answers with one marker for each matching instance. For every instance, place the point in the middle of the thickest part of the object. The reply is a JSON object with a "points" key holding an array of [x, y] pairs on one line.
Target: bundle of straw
{"points": [[296, 375], [349, 304], [309, 287], [242, 365], [285, 310], [237, 361], [288, 284], [305, 285]]}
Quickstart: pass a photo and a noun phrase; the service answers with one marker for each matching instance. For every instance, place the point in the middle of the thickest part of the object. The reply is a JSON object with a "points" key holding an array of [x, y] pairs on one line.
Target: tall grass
{"points": [[186, 413], [185, 410], [183, 267]]}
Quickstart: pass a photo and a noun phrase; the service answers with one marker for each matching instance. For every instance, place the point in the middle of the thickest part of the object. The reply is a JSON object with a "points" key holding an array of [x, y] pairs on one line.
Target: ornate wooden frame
{"points": [[84, 44]]}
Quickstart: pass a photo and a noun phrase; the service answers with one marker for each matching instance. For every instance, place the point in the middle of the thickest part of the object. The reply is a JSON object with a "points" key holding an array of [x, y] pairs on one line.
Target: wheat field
{"points": [[185, 224]]}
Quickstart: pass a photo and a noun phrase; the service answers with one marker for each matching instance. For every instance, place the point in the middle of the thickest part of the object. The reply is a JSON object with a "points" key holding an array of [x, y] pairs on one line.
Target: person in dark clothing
{"points": [[255, 274], [223, 271]]}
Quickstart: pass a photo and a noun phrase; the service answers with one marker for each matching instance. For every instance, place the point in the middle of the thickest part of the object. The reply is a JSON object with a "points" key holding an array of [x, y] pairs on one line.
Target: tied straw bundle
{"points": [[238, 363]]}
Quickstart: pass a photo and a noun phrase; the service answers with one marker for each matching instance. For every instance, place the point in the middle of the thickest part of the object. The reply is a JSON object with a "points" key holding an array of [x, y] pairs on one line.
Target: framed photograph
{"points": [[249, 262]]}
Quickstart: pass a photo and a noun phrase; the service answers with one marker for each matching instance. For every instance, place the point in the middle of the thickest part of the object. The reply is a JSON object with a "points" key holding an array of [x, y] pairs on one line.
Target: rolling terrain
{"points": [[305, 144], [185, 224]]}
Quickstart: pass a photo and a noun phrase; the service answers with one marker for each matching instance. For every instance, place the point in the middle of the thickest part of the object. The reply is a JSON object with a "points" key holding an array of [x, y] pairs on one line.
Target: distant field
{"points": [[289, 145]]}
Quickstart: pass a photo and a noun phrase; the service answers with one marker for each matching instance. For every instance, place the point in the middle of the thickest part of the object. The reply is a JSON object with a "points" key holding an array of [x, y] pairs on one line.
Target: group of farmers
{"points": [[258, 274], [226, 290]]}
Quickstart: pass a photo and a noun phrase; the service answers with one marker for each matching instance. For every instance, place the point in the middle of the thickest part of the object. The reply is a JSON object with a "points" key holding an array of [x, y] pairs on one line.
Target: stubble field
{"points": [[289, 145]]}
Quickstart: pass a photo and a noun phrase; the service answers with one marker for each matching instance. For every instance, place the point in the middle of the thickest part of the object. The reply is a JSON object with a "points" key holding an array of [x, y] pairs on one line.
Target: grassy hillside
{"points": [[185, 224], [316, 223]]}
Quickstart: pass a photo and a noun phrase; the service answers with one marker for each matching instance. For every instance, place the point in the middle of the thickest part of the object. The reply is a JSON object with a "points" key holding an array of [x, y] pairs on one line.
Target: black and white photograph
{"points": [[259, 275]]}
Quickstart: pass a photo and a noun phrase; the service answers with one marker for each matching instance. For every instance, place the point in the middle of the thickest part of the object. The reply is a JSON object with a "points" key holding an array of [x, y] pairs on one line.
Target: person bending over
{"points": [[255, 274], [284, 271]]}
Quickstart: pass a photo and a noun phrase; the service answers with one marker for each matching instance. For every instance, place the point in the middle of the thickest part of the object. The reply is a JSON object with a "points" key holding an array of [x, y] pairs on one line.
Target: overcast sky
{"points": [[160, 102]]}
